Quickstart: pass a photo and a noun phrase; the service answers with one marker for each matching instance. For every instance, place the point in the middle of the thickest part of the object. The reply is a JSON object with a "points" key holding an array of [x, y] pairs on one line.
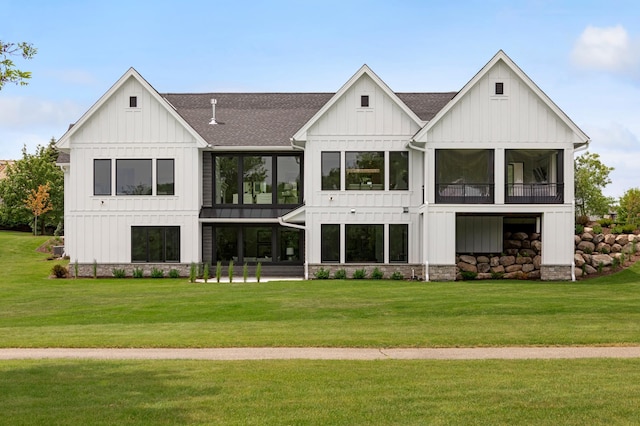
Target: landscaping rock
{"points": [[467, 267], [597, 259], [586, 246], [622, 239], [513, 268], [520, 236], [483, 267], [578, 260], [471, 260], [483, 259], [586, 236], [610, 239], [507, 260]]}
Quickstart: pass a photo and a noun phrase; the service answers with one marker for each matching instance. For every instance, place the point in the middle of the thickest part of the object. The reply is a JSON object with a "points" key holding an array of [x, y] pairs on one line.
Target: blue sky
{"points": [[584, 54]]}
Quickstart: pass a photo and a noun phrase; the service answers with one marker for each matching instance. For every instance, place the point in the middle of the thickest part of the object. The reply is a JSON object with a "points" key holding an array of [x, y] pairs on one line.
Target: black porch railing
{"points": [[465, 193], [534, 193]]}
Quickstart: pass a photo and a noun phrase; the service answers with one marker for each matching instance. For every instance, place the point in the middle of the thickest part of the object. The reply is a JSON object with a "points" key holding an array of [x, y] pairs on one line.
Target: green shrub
{"points": [[397, 275], [468, 275], [628, 228], [340, 274], [205, 272], [377, 274], [173, 273], [218, 271], [230, 271], [359, 274], [497, 275], [606, 222], [579, 229], [616, 229], [118, 273], [59, 271], [157, 273], [615, 263], [258, 271], [582, 220], [321, 274], [75, 269], [245, 272], [597, 229], [193, 272], [584, 269], [138, 273], [600, 267], [95, 269]]}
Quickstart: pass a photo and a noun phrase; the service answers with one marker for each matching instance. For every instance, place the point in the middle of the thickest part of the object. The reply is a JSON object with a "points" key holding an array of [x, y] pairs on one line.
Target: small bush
{"points": [[157, 273], [359, 274], [588, 250], [600, 267], [321, 274], [340, 274], [193, 273], [218, 271], [582, 220], [205, 272], [173, 273], [606, 222], [628, 228], [118, 273], [230, 271], [245, 272], [615, 263], [95, 269], [59, 271], [397, 275], [138, 273], [584, 269], [377, 274], [579, 229], [75, 269], [497, 275], [258, 271], [468, 275], [597, 229], [616, 229]]}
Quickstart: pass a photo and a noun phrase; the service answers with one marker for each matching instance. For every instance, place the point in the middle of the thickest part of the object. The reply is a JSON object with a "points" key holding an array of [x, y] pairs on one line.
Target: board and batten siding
{"points": [[517, 116]]}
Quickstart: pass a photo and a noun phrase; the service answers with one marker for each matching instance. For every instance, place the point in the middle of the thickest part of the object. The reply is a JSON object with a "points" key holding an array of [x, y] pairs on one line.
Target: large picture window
{"points": [[364, 170], [331, 171], [534, 176], [253, 244], [258, 179], [165, 181], [101, 177], [133, 177], [155, 244], [398, 170], [364, 243]]}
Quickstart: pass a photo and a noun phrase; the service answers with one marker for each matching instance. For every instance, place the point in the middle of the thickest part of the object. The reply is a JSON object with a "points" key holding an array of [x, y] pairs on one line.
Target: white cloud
{"points": [[74, 77], [21, 113], [608, 49]]}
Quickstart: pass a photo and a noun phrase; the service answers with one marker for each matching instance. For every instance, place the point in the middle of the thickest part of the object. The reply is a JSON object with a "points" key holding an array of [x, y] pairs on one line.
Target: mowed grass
{"points": [[41, 312], [551, 392]]}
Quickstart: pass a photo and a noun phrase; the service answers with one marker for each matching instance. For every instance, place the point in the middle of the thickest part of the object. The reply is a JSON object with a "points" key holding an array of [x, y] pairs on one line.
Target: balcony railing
{"points": [[464, 193], [534, 193]]}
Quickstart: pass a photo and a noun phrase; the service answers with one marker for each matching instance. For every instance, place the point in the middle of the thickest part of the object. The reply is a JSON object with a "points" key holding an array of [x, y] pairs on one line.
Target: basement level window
{"points": [[133, 102], [364, 101], [499, 88]]}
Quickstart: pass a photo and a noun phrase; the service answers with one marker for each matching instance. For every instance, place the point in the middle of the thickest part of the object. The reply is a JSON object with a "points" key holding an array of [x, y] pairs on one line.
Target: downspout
{"points": [[306, 254], [573, 208], [417, 148], [424, 217]]}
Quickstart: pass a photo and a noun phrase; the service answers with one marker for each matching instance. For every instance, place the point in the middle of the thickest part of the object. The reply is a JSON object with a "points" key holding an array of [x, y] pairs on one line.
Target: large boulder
{"points": [[577, 239], [520, 236], [616, 248], [537, 261], [521, 260], [507, 260], [603, 248], [586, 246], [603, 259], [537, 245], [471, 260], [578, 260], [483, 267], [511, 244], [467, 267], [498, 269], [587, 236], [483, 259], [513, 268], [622, 239], [494, 261], [597, 239], [610, 239], [528, 267]]}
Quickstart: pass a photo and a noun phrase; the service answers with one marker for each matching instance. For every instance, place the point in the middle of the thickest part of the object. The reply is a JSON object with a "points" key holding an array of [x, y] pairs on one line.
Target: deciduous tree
{"points": [[591, 177], [629, 209], [8, 71], [39, 203]]}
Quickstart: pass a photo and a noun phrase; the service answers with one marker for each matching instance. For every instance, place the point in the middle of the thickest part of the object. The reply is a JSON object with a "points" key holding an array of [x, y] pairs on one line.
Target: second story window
{"points": [[331, 171], [133, 177], [364, 170], [464, 176]]}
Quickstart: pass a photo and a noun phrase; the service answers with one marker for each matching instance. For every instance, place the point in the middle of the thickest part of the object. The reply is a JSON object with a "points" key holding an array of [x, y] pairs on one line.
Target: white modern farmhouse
{"points": [[426, 184]]}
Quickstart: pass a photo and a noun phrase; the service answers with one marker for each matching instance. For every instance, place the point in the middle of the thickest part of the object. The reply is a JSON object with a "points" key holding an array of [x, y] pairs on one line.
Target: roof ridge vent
{"points": [[213, 111]]}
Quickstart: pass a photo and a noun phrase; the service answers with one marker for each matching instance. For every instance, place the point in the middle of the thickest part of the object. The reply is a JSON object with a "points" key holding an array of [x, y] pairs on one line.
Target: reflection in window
{"points": [[133, 177], [101, 177], [155, 244], [364, 170], [226, 238], [398, 243], [256, 180], [165, 177], [288, 180], [257, 244], [226, 179], [331, 171], [399, 170], [364, 243], [289, 244], [330, 236], [464, 175]]}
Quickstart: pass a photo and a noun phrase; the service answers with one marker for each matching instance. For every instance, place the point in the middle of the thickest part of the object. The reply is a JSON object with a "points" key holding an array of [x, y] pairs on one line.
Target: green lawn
{"points": [[39, 312], [567, 392]]}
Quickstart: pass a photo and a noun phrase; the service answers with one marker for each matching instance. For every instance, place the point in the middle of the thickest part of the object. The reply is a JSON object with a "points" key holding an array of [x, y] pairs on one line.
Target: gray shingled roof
{"points": [[271, 119]]}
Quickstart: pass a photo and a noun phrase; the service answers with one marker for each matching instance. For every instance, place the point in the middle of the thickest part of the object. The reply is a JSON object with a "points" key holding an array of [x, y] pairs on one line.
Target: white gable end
{"points": [[517, 115], [347, 116], [115, 121]]}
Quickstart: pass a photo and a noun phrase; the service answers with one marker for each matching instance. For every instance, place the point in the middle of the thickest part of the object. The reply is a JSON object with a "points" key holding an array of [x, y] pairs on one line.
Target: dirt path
{"points": [[229, 354]]}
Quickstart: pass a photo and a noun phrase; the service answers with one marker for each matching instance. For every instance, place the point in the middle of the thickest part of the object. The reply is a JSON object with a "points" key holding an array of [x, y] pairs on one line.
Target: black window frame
{"points": [[364, 101], [499, 88], [133, 102], [144, 231], [173, 176], [327, 180], [97, 161], [150, 187], [330, 249]]}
